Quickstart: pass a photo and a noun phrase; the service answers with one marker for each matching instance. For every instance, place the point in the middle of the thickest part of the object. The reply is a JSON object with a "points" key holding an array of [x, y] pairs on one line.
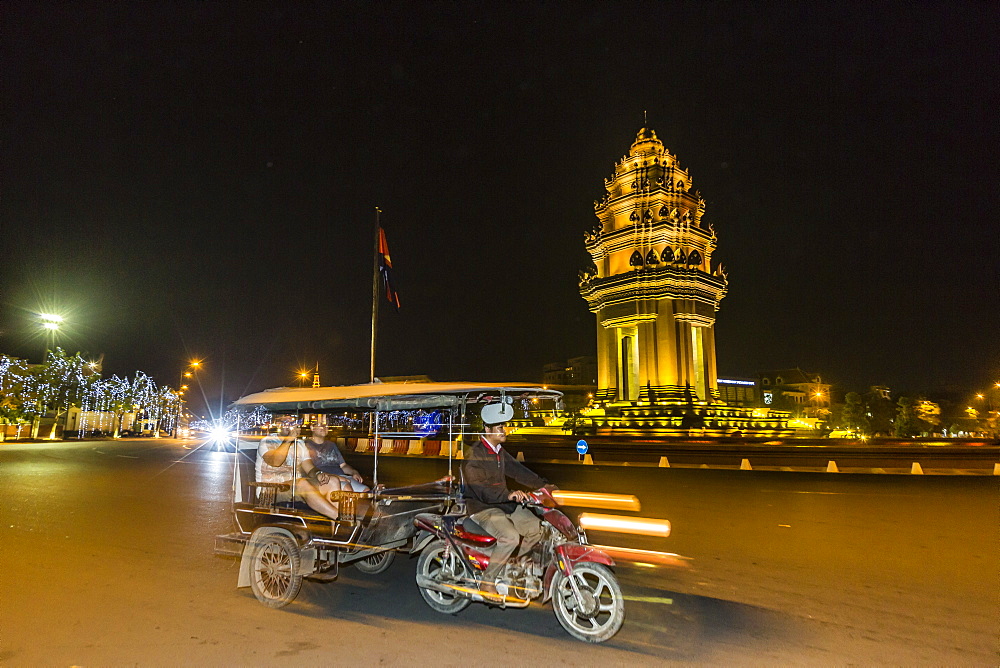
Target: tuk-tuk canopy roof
{"points": [[385, 396]]}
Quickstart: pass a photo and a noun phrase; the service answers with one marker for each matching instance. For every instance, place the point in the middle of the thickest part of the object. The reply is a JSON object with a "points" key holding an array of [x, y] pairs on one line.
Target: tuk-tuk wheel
{"points": [[376, 563], [274, 571]]}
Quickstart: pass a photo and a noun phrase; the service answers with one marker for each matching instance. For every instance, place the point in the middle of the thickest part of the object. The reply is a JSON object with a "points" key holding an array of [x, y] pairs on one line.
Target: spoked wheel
{"points": [[599, 611], [273, 571], [435, 564], [376, 563]]}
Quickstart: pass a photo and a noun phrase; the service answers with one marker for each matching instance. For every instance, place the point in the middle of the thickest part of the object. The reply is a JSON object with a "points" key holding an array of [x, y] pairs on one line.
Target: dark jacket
{"points": [[485, 478]]}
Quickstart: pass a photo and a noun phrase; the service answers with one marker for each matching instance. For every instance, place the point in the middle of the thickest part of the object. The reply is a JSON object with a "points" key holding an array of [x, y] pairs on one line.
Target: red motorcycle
{"points": [[586, 597]]}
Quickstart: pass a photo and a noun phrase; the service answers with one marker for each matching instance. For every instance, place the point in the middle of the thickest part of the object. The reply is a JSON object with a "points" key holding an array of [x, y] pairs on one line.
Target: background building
{"points": [[739, 391], [574, 371], [802, 392]]}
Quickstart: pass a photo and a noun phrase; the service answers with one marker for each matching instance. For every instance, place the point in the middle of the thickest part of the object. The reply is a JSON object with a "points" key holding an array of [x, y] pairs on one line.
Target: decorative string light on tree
{"points": [[64, 382]]}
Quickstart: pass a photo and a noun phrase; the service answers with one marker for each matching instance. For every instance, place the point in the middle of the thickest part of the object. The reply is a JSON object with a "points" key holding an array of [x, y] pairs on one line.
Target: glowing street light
{"points": [[50, 322], [188, 372]]}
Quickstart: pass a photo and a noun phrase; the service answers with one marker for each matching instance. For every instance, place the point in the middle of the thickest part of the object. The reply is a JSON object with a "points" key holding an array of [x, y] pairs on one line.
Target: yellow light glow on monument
{"points": [[655, 289]]}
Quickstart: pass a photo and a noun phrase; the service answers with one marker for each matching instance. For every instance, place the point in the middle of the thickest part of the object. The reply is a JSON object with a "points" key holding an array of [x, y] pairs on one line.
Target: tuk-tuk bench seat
{"points": [[347, 502]]}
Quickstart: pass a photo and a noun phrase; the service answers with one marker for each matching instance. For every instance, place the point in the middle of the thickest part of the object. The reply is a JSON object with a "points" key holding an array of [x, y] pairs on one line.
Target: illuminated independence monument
{"points": [[655, 293]]}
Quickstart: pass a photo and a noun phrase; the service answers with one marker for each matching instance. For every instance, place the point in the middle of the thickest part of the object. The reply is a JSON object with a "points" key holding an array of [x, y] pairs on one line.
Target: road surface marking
{"points": [[650, 599]]}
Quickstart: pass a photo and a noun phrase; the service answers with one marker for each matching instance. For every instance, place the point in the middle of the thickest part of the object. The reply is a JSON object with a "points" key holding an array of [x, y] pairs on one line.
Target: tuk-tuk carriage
{"points": [[281, 543]]}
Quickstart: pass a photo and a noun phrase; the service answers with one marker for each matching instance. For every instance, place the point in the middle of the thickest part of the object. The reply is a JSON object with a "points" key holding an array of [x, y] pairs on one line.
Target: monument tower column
{"points": [[652, 285]]}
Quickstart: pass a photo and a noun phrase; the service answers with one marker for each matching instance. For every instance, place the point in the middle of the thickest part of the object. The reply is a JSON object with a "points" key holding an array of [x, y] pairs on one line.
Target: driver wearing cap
{"points": [[490, 503]]}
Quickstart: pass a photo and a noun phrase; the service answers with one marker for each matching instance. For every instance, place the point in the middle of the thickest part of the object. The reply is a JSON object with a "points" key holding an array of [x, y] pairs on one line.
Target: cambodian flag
{"points": [[385, 268]]}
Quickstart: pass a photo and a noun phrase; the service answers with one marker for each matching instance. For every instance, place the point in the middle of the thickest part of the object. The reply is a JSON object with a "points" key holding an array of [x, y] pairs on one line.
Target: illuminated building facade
{"points": [[655, 292], [802, 392], [739, 391]]}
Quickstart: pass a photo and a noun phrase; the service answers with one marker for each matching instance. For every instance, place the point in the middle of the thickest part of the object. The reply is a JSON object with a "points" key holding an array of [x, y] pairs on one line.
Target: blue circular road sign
{"points": [[581, 447]]}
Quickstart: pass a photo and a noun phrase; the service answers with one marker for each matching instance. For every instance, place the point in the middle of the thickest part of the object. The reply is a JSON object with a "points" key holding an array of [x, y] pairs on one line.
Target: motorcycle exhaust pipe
{"points": [[472, 592], [425, 582]]}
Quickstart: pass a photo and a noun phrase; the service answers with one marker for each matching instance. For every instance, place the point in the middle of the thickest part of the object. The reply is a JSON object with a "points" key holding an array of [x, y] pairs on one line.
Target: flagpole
{"points": [[378, 227]]}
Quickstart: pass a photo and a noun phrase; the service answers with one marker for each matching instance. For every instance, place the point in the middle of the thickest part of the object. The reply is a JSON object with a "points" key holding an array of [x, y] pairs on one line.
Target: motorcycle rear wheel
{"points": [[436, 565], [600, 614]]}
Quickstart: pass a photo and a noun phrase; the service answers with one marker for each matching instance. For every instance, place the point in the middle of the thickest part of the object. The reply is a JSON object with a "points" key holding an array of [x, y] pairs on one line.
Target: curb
{"points": [[831, 467]]}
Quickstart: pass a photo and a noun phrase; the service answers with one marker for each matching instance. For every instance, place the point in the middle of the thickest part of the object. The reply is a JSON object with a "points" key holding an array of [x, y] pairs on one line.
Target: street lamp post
{"points": [[50, 322], [188, 372]]}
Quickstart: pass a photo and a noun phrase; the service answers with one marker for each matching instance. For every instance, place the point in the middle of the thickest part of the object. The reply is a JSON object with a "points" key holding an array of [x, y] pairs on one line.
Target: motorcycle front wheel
{"points": [[443, 566], [599, 612]]}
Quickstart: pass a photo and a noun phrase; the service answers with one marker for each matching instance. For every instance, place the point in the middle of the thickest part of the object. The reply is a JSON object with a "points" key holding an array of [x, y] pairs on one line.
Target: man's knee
{"points": [[500, 527], [527, 524], [534, 532], [506, 534]]}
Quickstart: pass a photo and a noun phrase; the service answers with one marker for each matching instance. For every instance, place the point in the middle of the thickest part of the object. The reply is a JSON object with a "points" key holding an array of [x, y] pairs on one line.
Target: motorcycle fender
{"points": [[420, 541], [573, 554], [567, 556], [550, 573], [307, 560]]}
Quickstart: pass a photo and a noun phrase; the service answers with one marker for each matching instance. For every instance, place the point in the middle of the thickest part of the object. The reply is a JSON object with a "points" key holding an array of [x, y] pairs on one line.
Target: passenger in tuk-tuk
{"points": [[326, 457], [276, 458]]}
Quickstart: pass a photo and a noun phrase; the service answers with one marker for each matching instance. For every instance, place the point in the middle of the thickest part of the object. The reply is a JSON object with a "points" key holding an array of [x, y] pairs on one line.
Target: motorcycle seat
{"points": [[470, 530]]}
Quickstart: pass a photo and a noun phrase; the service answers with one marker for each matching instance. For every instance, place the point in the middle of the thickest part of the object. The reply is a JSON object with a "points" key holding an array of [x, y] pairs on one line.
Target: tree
{"points": [[119, 398], [13, 374], [58, 384], [928, 415], [880, 411], [143, 396], [906, 418], [163, 409], [853, 417]]}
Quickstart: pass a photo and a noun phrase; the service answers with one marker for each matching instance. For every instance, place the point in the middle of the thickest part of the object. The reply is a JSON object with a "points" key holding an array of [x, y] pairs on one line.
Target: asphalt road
{"points": [[106, 559]]}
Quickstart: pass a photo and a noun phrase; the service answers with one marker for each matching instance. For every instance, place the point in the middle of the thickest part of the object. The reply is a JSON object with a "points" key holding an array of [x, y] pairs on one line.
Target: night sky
{"points": [[200, 180]]}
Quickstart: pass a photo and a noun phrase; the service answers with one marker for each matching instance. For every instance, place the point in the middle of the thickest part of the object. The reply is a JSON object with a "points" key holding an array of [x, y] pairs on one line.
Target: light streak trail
{"points": [[596, 500], [644, 557], [637, 525]]}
